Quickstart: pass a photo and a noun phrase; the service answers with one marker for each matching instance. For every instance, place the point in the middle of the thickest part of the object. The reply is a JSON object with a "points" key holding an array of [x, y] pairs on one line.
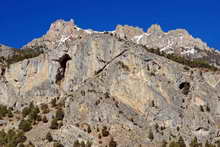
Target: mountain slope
{"points": [[114, 89]]}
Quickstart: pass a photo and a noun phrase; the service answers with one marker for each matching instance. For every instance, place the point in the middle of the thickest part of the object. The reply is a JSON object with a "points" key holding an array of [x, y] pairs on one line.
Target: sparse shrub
{"points": [[33, 115], [82, 144], [112, 143], [89, 144], [152, 103], [186, 68], [57, 144], [105, 131], [25, 125], [45, 108], [164, 143], [32, 112], [60, 124], [174, 144], [11, 138], [201, 108], [76, 143], [218, 143], [61, 104], [49, 137], [181, 142], [152, 74], [151, 135], [10, 114], [53, 102], [178, 128], [21, 145], [207, 108], [30, 144], [207, 144], [25, 111], [194, 143], [157, 127], [54, 124], [59, 114], [3, 111], [45, 120], [25, 53]]}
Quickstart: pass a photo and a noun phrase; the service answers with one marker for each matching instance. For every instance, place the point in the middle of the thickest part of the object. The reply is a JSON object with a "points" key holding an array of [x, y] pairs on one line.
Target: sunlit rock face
{"points": [[109, 79]]}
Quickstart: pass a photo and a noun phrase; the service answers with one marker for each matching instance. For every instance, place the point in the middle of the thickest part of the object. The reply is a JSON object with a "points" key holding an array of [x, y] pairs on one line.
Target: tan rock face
{"points": [[154, 28], [128, 31], [114, 83]]}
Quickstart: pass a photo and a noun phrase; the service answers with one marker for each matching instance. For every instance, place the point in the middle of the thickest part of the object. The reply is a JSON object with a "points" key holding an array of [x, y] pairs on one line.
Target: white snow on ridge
{"points": [[189, 51], [78, 29], [63, 39], [169, 46], [88, 31], [139, 37]]}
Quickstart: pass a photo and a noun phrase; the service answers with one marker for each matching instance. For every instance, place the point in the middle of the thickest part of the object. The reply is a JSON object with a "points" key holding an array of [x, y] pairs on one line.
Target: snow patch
{"points": [[63, 39], [169, 46], [77, 28], [139, 37], [88, 31], [189, 51]]}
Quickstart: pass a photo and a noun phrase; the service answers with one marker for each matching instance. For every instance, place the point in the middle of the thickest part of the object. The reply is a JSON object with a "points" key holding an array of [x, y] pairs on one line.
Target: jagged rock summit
{"points": [[114, 87]]}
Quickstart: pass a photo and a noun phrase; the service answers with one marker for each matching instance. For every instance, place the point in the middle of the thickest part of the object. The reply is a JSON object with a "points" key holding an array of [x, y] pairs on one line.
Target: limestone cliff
{"points": [[110, 80]]}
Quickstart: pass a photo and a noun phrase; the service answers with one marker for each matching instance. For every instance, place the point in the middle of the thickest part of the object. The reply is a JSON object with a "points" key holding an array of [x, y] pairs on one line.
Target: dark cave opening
{"points": [[62, 69], [185, 87]]}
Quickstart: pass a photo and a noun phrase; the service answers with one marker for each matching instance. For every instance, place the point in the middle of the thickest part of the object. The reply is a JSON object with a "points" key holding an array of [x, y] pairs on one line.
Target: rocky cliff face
{"points": [[110, 81]]}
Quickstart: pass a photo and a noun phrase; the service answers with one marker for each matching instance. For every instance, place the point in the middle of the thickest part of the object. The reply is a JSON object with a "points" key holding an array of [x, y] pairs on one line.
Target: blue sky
{"points": [[24, 20]]}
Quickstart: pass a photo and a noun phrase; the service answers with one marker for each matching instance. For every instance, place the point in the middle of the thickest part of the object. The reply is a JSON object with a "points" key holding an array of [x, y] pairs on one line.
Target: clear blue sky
{"points": [[23, 20]]}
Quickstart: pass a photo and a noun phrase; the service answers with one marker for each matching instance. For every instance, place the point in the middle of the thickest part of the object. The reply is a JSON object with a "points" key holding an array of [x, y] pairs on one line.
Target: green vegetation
{"points": [[207, 108], [164, 143], [10, 114], [4, 111], [57, 144], [59, 114], [25, 125], [11, 138], [174, 144], [181, 142], [201, 108], [82, 144], [151, 135], [194, 143], [45, 109], [49, 137], [25, 54], [112, 143], [32, 112], [45, 120], [207, 144], [54, 124], [105, 131], [196, 63], [30, 115], [53, 102]]}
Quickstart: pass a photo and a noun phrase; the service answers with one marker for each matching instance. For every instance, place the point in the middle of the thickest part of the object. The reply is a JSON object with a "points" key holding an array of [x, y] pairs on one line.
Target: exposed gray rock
{"points": [[113, 83]]}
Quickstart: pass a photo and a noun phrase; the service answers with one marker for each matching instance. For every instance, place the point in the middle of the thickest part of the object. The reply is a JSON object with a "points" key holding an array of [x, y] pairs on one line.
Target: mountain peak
{"points": [[118, 88], [61, 27], [154, 28]]}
